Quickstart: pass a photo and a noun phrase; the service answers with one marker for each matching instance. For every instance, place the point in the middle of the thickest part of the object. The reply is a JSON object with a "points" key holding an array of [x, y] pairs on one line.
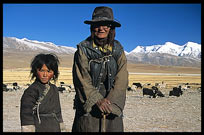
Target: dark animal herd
{"points": [[154, 92], [14, 86]]}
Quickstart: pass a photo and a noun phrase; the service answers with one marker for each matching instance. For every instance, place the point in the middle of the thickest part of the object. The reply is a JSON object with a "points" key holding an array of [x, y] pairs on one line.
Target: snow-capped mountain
{"points": [[25, 45], [169, 54], [190, 49]]}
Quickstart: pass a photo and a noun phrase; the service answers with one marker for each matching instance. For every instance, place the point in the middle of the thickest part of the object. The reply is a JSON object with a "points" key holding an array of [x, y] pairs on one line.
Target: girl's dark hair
{"points": [[111, 35], [50, 60]]}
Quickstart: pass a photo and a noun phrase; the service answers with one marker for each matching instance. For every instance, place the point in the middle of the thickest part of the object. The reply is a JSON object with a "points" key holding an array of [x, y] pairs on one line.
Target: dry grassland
{"points": [[16, 69], [148, 68], [169, 80], [22, 76]]}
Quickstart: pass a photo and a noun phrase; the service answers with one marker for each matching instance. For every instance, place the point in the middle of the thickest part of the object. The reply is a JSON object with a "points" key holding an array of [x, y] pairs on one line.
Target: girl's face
{"points": [[44, 74]]}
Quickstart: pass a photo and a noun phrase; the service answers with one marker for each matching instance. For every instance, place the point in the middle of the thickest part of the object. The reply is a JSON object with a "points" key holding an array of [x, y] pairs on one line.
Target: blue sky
{"points": [[141, 24]]}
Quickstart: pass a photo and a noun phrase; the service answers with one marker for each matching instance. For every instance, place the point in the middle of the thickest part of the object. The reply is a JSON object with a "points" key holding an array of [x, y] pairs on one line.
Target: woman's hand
{"points": [[104, 105]]}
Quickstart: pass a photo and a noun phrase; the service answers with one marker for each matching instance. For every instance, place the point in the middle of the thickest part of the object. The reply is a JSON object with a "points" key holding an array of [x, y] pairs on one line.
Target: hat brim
{"points": [[114, 23]]}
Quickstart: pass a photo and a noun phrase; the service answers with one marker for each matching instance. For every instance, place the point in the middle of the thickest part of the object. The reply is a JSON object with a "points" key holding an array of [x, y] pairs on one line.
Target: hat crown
{"points": [[102, 13]]}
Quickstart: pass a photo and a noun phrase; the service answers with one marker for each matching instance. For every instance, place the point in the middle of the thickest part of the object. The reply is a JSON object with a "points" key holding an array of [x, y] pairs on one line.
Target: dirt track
{"points": [[141, 114]]}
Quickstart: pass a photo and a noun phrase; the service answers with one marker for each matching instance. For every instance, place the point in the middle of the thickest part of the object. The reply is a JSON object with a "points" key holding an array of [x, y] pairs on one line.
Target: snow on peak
{"points": [[190, 49], [126, 53], [192, 44], [138, 49], [34, 45], [38, 42], [170, 44], [170, 48], [24, 39]]}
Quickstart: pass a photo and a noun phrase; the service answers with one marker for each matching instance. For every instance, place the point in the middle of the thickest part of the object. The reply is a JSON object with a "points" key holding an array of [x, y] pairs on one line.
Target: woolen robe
{"points": [[49, 109], [88, 117]]}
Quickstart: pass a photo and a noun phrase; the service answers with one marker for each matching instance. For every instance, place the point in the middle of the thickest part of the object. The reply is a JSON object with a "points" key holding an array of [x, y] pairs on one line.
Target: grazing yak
{"points": [[15, 86], [157, 91], [11, 86], [62, 84], [134, 87], [65, 87], [129, 88], [184, 86], [150, 92], [138, 85], [154, 92], [176, 92], [61, 89]]}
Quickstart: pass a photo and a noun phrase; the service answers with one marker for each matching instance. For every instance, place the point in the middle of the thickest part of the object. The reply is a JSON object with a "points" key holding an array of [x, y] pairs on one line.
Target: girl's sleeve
{"points": [[27, 103], [59, 114]]}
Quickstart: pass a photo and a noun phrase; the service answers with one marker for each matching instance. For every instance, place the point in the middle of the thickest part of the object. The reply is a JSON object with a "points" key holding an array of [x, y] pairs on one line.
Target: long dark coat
{"points": [[49, 105], [88, 117]]}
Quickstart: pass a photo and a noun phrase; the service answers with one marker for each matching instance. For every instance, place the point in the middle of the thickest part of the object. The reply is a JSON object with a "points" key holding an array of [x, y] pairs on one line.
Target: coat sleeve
{"points": [[117, 95], [27, 103], [59, 114], [82, 81]]}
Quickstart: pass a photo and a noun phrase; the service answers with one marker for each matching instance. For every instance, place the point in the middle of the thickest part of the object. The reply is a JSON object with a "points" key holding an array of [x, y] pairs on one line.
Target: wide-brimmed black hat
{"points": [[103, 14]]}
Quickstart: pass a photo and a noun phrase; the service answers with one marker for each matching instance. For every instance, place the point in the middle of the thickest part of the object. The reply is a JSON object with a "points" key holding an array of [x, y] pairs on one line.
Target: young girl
{"points": [[40, 105]]}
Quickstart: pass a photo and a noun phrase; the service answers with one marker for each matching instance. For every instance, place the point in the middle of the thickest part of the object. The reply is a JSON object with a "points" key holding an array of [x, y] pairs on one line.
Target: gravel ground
{"points": [[141, 114]]}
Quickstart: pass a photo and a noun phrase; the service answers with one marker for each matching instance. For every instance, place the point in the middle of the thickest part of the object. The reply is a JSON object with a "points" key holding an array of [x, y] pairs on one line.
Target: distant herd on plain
{"points": [[152, 91]]}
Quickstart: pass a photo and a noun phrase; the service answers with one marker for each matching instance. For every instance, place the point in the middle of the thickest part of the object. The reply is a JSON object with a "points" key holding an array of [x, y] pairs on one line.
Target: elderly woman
{"points": [[100, 77]]}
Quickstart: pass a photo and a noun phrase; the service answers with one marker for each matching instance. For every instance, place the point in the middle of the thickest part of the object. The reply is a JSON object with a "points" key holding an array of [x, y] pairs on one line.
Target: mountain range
{"points": [[169, 54], [24, 45]]}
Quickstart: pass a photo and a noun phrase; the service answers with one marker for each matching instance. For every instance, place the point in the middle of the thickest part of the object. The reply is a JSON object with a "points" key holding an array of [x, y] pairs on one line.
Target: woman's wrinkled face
{"points": [[44, 74], [101, 31]]}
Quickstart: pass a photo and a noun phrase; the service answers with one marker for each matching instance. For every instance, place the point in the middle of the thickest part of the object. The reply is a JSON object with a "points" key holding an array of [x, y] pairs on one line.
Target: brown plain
{"points": [[21, 75]]}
